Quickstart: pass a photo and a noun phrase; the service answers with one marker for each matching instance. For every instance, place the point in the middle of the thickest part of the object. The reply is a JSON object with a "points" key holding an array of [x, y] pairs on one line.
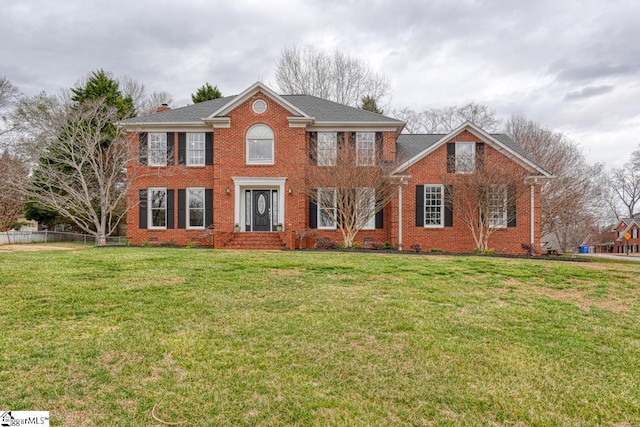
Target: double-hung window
{"points": [[260, 145], [634, 233], [365, 148], [327, 202], [366, 208], [195, 149], [434, 205], [195, 207], [465, 157], [498, 206], [327, 148], [157, 208], [157, 149]]}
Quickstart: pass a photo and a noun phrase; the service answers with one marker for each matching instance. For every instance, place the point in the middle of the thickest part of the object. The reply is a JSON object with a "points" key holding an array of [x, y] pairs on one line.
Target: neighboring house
{"points": [[627, 235], [203, 171]]}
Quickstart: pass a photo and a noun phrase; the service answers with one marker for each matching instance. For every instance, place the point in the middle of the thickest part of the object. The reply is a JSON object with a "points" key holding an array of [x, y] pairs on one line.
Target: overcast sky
{"points": [[573, 66]]}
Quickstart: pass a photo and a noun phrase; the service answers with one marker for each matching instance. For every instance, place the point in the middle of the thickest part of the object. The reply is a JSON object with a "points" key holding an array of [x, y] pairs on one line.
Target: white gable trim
{"points": [[483, 136], [248, 93]]}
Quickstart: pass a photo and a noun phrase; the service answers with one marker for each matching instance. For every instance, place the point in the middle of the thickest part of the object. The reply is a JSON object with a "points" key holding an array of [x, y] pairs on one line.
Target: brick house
{"points": [[627, 235], [225, 173]]}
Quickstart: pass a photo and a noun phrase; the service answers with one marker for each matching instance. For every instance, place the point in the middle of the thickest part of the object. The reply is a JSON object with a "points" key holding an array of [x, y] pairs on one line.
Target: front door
{"points": [[261, 216]]}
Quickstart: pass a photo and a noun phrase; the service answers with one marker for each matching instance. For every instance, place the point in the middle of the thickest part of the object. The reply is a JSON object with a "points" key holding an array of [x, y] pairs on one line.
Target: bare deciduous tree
{"points": [[338, 77], [577, 189], [484, 200], [81, 174], [624, 187], [8, 96], [143, 102], [446, 119], [349, 188], [12, 169]]}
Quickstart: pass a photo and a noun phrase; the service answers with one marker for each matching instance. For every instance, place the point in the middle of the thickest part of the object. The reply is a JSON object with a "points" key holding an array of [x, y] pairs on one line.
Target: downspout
{"points": [[533, 218], [400, 216]]}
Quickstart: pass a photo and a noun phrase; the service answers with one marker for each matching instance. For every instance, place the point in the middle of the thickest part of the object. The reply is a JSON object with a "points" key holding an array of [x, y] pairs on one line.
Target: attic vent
{"points": [[259, 106]]}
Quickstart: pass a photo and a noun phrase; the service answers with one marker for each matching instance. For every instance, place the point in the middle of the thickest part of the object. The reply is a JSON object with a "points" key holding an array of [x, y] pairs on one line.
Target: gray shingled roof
{"points": [[329, 111], [410, 145], [321, 109], [189, 114]]}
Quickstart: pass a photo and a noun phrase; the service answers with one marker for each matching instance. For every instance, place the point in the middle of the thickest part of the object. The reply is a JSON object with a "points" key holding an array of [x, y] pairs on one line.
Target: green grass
{"points": [[102, 336]]}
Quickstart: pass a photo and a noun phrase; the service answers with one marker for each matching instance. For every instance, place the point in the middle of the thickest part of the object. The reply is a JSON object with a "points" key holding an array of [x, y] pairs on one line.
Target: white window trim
{"points": [[335, 209], [442, 203], [150, 208], [247, 142], [371, 222], [150, 158], [188, 209], [505, 206], [321, 161], [189, 151], [473, 157], [370, 160]]}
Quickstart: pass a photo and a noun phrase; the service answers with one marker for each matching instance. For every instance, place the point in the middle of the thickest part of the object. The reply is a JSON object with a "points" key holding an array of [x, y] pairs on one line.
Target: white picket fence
{"points": [[21, 237]]}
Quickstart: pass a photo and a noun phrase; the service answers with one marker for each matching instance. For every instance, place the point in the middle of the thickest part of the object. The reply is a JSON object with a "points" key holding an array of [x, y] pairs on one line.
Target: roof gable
{"points": [[248, 93], [503, 143]]}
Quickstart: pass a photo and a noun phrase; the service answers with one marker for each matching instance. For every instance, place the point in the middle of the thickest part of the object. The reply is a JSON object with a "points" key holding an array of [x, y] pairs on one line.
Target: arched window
{"points": [[260, 145]]}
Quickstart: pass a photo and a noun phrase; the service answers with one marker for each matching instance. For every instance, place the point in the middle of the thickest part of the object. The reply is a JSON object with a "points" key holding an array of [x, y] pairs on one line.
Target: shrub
{"points": [[377, 246], [191, 245], [528, 248], [436, 250], [417, 247], [326, 243], [389, 245]]}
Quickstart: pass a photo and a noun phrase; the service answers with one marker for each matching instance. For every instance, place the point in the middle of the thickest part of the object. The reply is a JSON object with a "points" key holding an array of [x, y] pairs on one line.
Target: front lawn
{"points": [[119, 336]]}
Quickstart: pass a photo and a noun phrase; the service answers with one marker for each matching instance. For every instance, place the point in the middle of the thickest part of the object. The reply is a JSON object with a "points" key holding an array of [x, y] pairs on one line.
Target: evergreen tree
{"points": [[368, 103], [206, 93]]}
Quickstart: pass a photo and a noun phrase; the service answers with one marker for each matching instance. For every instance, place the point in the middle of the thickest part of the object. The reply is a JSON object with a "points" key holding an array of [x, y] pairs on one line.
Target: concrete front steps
{"points": [[256, 240]]}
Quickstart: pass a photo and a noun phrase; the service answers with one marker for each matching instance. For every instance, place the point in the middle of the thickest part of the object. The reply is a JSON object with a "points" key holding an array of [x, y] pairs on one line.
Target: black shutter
{"points": [[142, 209], [313, 210], [208, 148], [420, 205], [451, 157], [378, 156], [182, 148], [313, 148], [380, 218], [143, 147], [208, 207], [448, 206], [511, 206], [479, 155], [170, 144], [170, 209], [182, 203]]}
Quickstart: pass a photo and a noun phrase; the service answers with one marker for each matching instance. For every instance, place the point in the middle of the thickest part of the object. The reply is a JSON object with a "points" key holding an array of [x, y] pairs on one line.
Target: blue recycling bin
{"points": [[584, 249]]}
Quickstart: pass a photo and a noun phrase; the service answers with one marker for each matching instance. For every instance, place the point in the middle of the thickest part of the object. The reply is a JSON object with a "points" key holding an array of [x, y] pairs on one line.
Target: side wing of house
{"points": [[438, 214]]}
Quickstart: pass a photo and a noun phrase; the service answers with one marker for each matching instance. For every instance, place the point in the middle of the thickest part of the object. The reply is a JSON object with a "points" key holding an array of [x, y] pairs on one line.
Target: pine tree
{"points": [[368, 103], [206, 93]]}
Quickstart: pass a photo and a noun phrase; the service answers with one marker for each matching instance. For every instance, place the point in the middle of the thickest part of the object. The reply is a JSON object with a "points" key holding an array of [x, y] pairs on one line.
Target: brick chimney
{"points": [[163, 107]]}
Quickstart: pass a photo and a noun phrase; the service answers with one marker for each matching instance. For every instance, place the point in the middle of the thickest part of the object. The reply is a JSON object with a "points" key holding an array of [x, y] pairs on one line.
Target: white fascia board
{"points": [[218, 122], [252, 90], [376, 125], [166, 127], [300, 122]]}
